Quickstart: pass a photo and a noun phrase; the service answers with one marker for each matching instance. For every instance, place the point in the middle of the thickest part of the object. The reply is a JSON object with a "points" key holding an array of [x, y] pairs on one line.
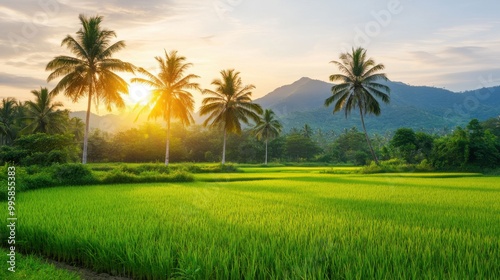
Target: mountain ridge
{"points": [[419, 107]]}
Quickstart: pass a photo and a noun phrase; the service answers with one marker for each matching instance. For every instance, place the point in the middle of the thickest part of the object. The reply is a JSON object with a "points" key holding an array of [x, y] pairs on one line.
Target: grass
{"points": [[274, 223], [33, 268]]}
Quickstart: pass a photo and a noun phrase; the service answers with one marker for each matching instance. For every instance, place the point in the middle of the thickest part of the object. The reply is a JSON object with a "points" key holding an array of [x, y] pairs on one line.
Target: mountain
{"points": [[418, 107]]}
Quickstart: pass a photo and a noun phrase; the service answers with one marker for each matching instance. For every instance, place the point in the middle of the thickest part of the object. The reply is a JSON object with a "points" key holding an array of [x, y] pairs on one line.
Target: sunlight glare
{"points": [[138, 94]]}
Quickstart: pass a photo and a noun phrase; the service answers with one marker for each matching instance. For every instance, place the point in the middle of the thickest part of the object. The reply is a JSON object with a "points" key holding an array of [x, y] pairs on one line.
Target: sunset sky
{"points": [[450, 44]]}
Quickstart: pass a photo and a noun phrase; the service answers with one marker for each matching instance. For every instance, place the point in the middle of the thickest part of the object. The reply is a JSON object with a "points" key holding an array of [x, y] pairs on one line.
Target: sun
{"points": [[138, 95]]}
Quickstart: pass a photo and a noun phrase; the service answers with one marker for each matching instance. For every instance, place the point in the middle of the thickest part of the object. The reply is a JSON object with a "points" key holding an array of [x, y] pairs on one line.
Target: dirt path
{"points": [[84, 273]]}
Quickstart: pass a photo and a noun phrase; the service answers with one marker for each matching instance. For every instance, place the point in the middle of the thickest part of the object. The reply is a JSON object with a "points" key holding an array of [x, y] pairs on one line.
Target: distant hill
{"points": [[419, 107]]}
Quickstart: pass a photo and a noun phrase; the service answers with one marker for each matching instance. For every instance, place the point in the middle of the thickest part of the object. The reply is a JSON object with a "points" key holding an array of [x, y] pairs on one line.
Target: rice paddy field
{"points": [[273, 223]]}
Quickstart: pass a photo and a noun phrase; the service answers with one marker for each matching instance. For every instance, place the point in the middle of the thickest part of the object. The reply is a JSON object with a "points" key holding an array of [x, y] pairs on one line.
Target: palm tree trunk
{"points": [[167, 148], [87, 125], [266, 153], [367, 138], [224, 148]]}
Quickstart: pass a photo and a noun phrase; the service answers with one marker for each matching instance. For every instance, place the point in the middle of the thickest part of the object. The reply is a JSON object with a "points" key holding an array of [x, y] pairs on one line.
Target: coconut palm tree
{"points": [[43, 114], [268, 127], [8, 118], [77, 127], [170, 95], [358, 87], [229, 105], [91, 72], [307, 131]]}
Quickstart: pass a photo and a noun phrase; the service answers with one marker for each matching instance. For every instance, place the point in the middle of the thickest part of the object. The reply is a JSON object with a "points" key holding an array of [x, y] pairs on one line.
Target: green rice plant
{"points": [[33, 268], [284, 224]]}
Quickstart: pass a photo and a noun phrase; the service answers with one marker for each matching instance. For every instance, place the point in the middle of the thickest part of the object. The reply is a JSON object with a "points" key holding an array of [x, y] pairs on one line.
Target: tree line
{"points": [[476, 146]]}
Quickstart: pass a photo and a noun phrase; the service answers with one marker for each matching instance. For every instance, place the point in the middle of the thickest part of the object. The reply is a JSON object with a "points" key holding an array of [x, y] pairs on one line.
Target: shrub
{"points": [[119, 177], [38, 181], [228, 168], [424, 166], [386, 166], [72, 174], [152, 167], [40, 149], [102, 168], [190, 167], [396, 165], [211, 168], [12, 155], [156, 167], [372, 168], [181, 176], [37, 177]]}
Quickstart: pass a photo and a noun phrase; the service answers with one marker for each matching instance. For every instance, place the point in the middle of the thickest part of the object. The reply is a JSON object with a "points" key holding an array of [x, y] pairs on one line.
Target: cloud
{"points": [[20, 81], [455, 57], [470, 79], [467, 30]]}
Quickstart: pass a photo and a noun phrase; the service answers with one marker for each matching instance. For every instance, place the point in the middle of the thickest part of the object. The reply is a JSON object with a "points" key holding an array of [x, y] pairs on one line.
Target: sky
{"points": [[446, 44]]}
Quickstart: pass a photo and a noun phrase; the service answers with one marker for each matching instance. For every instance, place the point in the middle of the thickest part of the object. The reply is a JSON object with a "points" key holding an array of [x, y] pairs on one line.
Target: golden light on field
{"points": [[138, 95]]}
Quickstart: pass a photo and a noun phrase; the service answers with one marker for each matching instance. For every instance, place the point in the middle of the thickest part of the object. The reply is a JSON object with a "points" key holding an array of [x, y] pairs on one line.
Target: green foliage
{"points": [[424, 143], [119, 176], [396, 166], [142, 168], [404, 142], [208, 168], [72, 174], [493, 125], [12, 154], [424, 166], [44, 115], [37, 181], [12, 114], [300, 148], [40, 149], [482, 146], [465, 149], [349, 147]]}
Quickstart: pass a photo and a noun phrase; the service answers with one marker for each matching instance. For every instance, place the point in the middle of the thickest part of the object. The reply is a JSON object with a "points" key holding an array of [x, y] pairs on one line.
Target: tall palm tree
{"points": [[307, 131], [170, 96], [91, 72], [358, 87], [77, 127], [229, 105], [43, 114], [268, 127], [8, 114]]}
